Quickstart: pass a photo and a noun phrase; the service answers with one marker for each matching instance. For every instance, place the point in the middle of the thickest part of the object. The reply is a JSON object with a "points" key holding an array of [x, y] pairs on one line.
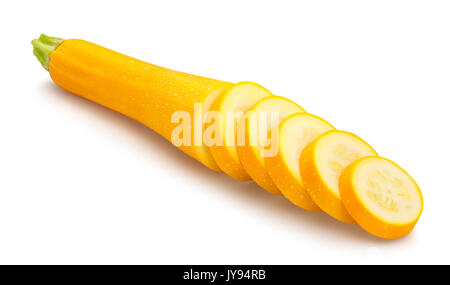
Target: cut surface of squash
{"points": [[295, 133], [258, 128], [381, 197], [321, 165], [232, 107]]}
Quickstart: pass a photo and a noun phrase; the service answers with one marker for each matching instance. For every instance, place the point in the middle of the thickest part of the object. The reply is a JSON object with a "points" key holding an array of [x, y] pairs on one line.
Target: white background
{"points": [[82, 184]]}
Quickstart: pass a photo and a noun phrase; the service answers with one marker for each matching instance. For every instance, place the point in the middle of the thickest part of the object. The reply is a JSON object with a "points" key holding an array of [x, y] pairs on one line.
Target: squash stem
{"points": [[43, 47]]}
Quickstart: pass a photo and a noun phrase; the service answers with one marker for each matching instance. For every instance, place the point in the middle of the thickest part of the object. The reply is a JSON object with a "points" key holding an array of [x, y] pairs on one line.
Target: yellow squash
{"points": [[313, 165]]}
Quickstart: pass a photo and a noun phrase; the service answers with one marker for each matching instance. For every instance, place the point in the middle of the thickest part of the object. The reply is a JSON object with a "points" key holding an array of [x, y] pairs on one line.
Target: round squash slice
{"points": [[237, 100], [260, 122], [296, 132], [321, 165], [381, 197]]}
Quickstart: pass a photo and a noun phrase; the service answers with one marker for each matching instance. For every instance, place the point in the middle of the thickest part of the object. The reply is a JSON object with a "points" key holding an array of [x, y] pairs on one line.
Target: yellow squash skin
{"points": [[323, 194], [145, 92], [300, 129], [390, 196], [249, 154]]}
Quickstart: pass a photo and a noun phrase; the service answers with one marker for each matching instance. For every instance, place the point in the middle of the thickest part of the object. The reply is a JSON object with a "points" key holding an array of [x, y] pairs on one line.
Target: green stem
{"points": [[43, 47]]}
